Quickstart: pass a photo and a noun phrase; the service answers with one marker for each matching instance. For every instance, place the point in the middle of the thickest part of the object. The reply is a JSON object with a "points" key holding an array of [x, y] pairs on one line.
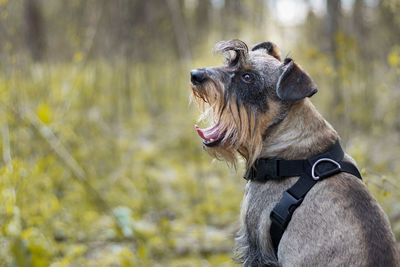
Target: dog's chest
{"points": [[253, 242], [259, 199]]}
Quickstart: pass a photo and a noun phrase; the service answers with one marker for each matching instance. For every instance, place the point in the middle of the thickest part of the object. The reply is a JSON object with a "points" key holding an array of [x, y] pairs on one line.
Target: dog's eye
{"points": [[247, 77]]}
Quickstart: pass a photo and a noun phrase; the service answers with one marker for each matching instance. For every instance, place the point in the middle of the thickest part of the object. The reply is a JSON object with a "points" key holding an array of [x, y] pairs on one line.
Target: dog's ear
{"points": [[294, 83], [271, 48]]}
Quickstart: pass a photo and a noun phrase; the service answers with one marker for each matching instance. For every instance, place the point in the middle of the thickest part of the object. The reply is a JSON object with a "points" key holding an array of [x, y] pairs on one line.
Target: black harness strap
{"points": [[310, 170]]}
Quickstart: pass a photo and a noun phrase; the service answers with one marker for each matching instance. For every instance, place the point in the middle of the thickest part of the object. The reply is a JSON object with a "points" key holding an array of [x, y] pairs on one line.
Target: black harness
{"points": [[310, 170]]}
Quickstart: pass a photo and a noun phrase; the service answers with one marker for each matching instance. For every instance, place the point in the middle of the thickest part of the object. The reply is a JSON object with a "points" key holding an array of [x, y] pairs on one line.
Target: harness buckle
{"points": [[328, 173], [283, 211]]}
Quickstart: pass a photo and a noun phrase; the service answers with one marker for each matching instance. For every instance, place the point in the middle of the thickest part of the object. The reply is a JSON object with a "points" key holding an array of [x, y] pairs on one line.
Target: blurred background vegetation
{"points": [[100, 164]]}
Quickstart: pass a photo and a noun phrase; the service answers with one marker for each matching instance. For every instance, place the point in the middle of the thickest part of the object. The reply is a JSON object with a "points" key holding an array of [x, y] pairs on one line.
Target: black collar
{"points": [[319, 167]]}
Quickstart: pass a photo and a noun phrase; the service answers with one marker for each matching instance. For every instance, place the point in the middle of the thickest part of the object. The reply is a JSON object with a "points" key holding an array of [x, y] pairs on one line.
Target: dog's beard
{"points": [[239, 126]]}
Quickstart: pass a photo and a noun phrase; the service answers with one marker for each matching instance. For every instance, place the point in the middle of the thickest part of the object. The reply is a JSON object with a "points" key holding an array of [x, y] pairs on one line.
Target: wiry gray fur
{"points": [[339, 223]]}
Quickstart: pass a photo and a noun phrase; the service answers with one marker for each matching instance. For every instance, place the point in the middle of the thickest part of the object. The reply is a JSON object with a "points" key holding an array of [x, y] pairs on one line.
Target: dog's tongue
{"points": [[208, 133]]}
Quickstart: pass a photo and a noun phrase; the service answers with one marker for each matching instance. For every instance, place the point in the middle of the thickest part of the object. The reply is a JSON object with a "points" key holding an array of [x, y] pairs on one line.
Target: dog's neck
{"points": [[302, 134]]}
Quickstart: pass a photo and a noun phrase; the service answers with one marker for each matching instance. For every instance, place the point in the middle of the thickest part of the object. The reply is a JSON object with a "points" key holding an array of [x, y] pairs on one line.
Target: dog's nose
{"points": [[198, 76]]}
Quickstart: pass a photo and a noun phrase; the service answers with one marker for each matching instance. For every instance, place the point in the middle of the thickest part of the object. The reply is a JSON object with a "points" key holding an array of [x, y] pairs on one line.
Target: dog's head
{"points": [[245, 97]]}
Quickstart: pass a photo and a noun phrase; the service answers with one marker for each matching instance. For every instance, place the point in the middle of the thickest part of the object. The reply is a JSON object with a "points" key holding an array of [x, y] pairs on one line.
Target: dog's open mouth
{"points": [[211, 136]]}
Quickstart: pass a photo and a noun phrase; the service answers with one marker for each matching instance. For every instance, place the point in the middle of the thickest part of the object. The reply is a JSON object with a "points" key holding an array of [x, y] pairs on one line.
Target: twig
{"points": [[55, 144], [66, 157], [6, 145]]}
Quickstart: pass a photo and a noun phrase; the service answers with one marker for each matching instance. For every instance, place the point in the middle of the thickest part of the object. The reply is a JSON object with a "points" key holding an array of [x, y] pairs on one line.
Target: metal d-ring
{"points": [[317, 162]]}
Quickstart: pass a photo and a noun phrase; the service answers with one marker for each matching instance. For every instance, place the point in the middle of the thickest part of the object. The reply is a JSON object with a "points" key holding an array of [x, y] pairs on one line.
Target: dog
{"points": [[259, 108]]}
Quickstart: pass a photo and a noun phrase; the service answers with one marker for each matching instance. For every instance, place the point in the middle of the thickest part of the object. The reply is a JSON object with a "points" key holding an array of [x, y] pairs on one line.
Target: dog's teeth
{"points": [[212, 140]]}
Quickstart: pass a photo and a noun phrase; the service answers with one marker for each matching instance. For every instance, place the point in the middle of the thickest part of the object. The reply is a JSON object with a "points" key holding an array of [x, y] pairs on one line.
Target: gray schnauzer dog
{"points": [[259, 108]]}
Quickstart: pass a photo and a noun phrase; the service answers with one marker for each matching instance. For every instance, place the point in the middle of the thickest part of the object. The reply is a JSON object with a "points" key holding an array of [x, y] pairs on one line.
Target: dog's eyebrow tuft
{"points": [[235, 51]]}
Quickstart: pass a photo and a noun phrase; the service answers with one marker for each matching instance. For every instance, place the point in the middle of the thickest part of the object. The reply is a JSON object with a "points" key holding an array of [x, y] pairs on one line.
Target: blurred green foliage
{"points": [[141, 193], [100, 163]]}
